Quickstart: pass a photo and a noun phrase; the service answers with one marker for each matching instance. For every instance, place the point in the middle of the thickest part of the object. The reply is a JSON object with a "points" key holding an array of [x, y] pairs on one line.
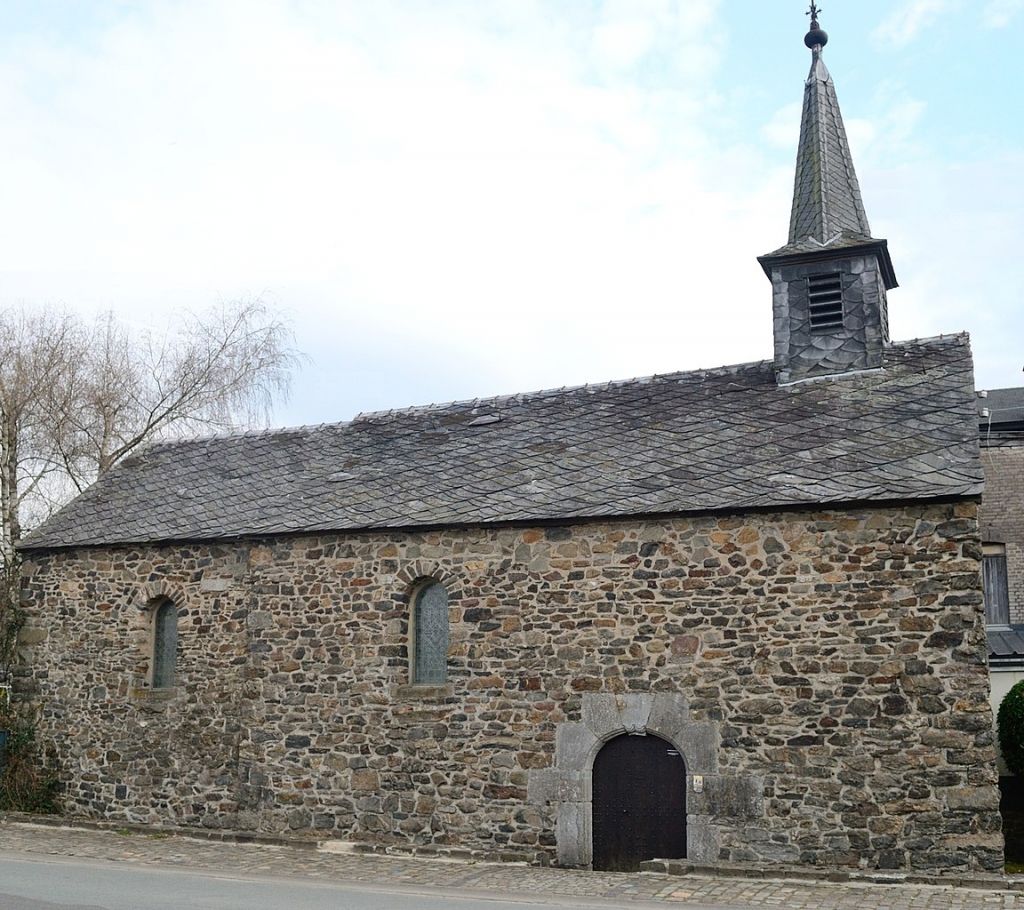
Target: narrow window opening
{"points": [[165, 645], [430, 635], [825, 293], [996, 582]]}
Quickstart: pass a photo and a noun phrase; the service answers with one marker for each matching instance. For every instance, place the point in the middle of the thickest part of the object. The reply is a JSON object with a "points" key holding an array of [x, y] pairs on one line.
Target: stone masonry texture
{"points": [[837, 656], [1002, 514]]}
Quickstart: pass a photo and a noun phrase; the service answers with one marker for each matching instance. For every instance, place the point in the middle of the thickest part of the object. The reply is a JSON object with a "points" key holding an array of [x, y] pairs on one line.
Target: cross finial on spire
{"points": [[816, 38]]}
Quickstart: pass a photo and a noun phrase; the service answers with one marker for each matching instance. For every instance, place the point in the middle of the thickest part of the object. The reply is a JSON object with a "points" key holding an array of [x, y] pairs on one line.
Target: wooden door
{"points": [[639, 803]]}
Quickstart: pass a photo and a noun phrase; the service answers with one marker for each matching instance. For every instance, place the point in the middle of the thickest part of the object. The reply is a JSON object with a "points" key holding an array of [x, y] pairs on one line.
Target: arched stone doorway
{"points": [[566, 787], [639, 803]]}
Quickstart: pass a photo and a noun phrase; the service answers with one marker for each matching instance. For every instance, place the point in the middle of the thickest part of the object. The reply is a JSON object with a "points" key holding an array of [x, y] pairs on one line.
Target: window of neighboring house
{"points": [[997, 588], [430, 635], [165, 644]]}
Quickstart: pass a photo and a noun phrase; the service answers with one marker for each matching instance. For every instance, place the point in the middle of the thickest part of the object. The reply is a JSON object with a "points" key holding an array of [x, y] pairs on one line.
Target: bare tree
{"points": [[40, 359], [74, 401], [220, 370]]}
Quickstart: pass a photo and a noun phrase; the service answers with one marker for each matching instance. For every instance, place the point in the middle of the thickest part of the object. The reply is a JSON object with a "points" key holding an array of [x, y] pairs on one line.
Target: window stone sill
{"points": [[151, 698], [410, 692]]}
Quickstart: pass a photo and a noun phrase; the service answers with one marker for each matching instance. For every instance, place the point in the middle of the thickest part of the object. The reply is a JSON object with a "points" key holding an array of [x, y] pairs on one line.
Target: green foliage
{"points": [[29, 777], [1011, 729]]}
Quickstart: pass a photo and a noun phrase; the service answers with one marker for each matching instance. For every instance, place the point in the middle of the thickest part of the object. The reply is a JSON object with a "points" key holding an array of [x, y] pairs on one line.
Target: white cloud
{"points": [[909, 19], [891, 132], [943, 223], [622, 45], [227, 135], [454, 198], [659, 38], [391, 170], [999, 13], [783, 130]]}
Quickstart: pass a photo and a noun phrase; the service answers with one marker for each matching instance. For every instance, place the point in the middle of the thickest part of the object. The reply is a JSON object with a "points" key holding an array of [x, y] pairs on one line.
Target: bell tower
{"points": [[829, 281]]}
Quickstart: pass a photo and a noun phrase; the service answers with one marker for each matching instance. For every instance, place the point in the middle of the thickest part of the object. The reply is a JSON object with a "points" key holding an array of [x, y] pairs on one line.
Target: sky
{"points": [[453, 199]]}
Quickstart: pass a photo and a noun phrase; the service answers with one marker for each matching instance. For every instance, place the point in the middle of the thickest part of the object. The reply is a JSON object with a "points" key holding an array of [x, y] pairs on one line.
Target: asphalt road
{"points": [[31, 882]]}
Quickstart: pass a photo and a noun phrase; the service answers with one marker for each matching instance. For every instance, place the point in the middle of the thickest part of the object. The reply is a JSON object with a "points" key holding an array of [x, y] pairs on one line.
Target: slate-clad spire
{"points": [[831, 277], [827, 206]]}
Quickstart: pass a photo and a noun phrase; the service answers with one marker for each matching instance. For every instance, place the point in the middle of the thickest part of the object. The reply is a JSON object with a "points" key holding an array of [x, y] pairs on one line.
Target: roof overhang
{"points": [[878, 248]]}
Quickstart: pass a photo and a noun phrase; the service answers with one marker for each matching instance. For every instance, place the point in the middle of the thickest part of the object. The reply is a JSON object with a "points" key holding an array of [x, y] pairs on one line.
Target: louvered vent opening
{"points": [[825, 293]]}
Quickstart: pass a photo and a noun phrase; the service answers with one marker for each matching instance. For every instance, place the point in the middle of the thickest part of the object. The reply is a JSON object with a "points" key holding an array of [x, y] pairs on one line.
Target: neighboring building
{"points": [[733, 615], [1001, 418]]}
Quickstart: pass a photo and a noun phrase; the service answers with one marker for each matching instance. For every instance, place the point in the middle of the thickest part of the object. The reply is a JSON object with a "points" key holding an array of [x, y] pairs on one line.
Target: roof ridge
{"points": [[497, 400], [944, 338], [445, 405], [238, 434], [587, 386]]}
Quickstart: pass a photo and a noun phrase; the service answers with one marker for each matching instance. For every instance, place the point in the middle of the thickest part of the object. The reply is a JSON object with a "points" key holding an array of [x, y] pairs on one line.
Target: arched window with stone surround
{"points": [[430, 635], [165, 644]]}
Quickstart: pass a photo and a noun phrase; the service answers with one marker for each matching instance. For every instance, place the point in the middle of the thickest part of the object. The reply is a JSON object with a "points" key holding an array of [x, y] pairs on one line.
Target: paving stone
{"points": [[506, 880]]}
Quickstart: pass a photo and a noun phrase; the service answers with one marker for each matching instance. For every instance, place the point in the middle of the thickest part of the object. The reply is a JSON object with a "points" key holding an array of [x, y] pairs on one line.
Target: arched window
{"points": [[165, 644], [430, 635]]}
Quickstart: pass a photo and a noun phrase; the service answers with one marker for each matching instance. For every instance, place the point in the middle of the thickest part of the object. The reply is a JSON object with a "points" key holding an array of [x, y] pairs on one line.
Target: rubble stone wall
{"points": [[826, 670]]}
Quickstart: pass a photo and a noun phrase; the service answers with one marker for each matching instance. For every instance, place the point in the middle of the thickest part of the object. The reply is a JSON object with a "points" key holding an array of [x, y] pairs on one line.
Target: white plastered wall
{"points": [[1002, 681]]}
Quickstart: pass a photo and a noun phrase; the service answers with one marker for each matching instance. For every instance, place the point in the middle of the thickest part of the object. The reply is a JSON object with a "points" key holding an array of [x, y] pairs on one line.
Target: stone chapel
{"points": [[732, 615]]}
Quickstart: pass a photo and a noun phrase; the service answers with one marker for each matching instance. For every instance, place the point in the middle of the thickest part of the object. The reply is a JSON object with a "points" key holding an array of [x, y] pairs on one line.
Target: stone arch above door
{"points": [[568, 785]]}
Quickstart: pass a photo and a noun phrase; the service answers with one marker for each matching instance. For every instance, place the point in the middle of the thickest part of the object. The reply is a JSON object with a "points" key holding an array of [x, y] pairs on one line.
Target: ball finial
{"points": [[817, 36]]}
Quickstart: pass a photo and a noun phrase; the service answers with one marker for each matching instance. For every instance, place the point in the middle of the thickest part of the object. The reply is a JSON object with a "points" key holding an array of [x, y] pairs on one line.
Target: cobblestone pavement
{"points": [[504, 880]]}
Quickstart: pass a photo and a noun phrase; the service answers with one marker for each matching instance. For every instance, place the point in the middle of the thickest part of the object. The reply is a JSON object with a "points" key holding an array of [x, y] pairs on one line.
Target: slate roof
{"points": [[826, 196], [727, 439], [1005, 407], [1006, 645]]}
